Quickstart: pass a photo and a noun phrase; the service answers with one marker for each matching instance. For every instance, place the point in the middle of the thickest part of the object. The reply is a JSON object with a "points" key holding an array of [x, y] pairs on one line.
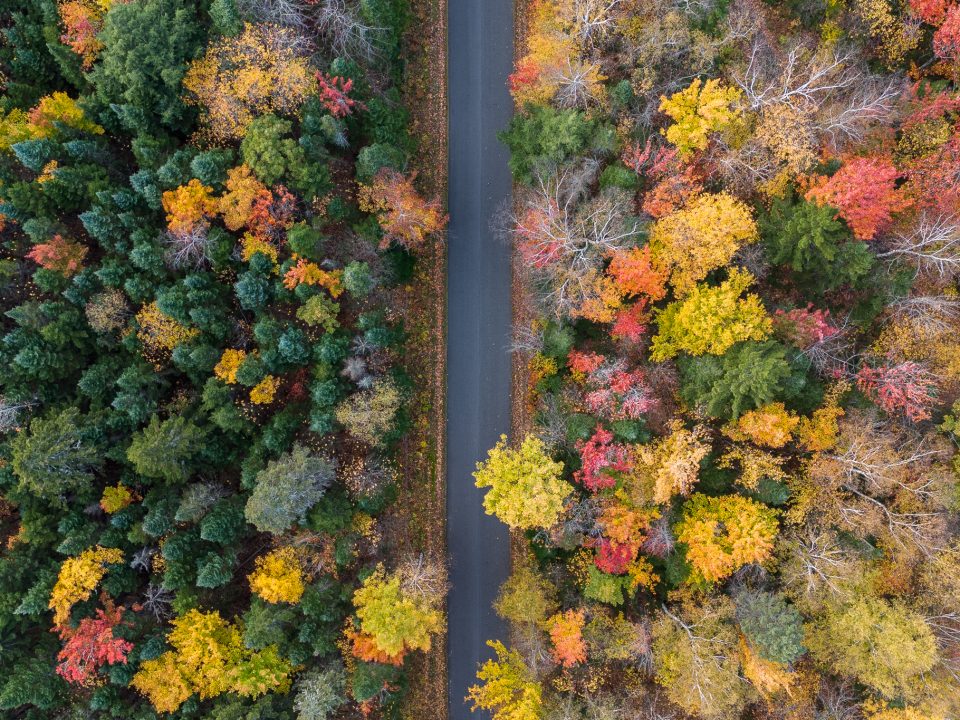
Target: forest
{"points": [[208, 225], [737, 225]]}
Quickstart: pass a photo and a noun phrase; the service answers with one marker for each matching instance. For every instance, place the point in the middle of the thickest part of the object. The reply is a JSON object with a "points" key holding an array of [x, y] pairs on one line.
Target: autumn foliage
{"points": [[92, 644], [405, 217]]}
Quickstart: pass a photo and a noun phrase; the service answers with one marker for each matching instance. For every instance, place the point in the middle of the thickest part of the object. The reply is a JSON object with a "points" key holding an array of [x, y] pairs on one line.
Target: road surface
{"points": [[480, 56]]}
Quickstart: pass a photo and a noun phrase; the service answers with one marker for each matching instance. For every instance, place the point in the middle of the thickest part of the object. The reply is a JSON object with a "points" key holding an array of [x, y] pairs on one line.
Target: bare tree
{"points": [[815, 567], [932, 246], [188, 249], [889, 482], [344, 31], [566, 240], [930, 314], [842, 100], [838, 699], [577, 82], [289, 13], [423, 577], [592, 19], [10, 413], [158, 601]]}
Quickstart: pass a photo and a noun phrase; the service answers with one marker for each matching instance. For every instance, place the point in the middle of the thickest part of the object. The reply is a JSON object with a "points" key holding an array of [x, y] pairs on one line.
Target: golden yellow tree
{"points": [[243, 189], [711, 320], [209, 658], [699, 110], [668, 466], [278, 577], [188, 207], [526, 490], [701, 236], [724, 533], [771, 426], [78, 578], [262, 70], [396, 619], [509, 687]]}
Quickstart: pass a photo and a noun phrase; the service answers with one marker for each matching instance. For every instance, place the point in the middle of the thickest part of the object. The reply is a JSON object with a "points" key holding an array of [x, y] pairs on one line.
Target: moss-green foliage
{"points": [[772, 627], [542, 136], [809, 240]]}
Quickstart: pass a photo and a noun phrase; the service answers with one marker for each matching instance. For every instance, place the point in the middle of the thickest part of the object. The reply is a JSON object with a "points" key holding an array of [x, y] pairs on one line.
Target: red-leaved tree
{"points": [[600, 459], [91, 645], [335, 94], [907, 388]]}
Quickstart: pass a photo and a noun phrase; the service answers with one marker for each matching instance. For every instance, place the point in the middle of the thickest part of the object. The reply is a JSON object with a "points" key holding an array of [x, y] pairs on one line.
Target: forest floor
{"points": [[419, 521]]}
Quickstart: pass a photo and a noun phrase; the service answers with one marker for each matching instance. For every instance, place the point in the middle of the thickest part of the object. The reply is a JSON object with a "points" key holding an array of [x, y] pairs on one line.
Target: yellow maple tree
{"points": [[264, 69], [278, 577], [229, 363], [710, 320], [700, 237], [697, 111], [78, 577], [771, 426], [724, 533], [669, 465]]}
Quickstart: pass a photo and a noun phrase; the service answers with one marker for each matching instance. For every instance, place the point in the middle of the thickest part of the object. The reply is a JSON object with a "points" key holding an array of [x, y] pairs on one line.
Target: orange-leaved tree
{"points": [[405, 217]]}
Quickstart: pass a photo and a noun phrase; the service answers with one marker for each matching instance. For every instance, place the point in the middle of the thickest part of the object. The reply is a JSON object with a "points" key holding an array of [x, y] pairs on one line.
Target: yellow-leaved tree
{"points": [[396, 616], [669, 465], [701, 236], [209, 658], [278, 577], [699, 110], [771, 425], [509, 687], [78, 577], [711, 320], [264, 69], [526, 488], [724, 533]]}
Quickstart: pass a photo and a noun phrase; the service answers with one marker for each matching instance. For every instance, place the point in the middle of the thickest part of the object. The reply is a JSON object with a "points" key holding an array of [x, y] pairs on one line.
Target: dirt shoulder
{"points": [[523, 312], [421, 507]]}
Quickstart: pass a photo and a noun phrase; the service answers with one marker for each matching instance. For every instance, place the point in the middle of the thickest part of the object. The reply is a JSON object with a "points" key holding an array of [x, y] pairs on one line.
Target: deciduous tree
{"points": [[396, 619], [509, 688], [711, 320], [701, 236], [698, 111], [881, 643], [405, 217], [91, 645], [724, 533], [262, 70], [78, 578], [864, 193], [278, 576], [526, 489]]}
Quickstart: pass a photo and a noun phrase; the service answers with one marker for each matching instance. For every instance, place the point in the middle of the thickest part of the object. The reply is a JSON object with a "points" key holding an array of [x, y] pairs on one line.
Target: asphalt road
{"points": [[480, 56]]}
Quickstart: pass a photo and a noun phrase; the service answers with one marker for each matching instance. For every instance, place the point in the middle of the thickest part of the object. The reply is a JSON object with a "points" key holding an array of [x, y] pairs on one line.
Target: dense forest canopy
{"points": [[206, 213], [739, 224]]}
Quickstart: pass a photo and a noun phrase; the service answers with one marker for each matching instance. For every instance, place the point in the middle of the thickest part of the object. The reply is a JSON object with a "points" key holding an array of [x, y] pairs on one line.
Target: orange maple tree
{"points": [[566, 634], [864, 192], [59, 254], [91, 645], [405, 217]]}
